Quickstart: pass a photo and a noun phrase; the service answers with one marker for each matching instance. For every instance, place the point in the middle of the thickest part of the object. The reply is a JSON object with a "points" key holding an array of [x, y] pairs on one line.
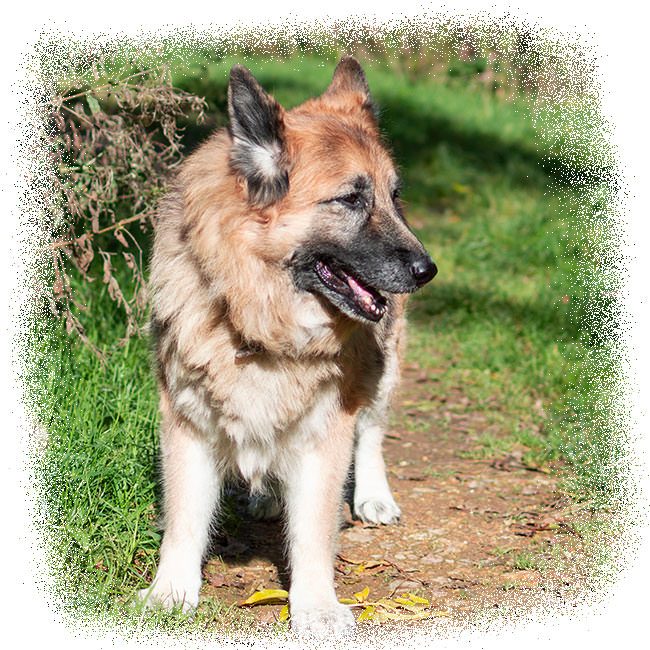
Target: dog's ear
{"points": [[349, 88], [258, 150]]}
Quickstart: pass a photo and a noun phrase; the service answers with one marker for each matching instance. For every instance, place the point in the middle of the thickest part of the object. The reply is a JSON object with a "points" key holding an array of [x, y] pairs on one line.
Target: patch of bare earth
{"points": [[475, 536]]}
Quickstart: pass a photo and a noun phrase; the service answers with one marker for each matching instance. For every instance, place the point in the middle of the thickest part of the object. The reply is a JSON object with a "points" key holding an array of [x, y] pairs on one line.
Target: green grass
{"points": [[511, 319], [99, 473], [528, 561]]}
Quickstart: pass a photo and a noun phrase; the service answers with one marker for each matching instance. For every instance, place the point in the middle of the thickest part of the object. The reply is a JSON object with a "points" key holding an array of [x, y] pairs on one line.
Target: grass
{"points": [[528, 561], [98, 478], [509, 320]]}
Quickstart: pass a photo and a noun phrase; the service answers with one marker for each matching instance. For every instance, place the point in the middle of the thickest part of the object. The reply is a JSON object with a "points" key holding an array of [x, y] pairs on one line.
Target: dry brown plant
{"points": [[112, 146]]}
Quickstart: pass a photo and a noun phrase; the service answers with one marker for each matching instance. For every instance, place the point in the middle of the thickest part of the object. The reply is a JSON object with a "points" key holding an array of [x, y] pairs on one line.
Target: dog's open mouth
{"points": [[365, 301]]}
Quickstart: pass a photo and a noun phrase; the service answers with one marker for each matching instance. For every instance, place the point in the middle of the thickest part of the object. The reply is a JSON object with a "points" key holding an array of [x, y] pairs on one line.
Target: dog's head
{"points": [[328, 189]]}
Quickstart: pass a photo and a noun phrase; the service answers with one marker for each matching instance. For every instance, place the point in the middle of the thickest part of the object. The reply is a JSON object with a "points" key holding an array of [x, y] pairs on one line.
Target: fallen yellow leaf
{"points": [[406, 616], [362, 595], [387, 603], [265, 597], [366, 614], [418, 599], [284, 613], [411, 606]]}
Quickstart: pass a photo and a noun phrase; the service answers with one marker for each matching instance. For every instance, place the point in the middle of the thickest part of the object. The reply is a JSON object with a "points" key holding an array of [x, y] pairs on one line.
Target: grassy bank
{"points": [[509, 320]]}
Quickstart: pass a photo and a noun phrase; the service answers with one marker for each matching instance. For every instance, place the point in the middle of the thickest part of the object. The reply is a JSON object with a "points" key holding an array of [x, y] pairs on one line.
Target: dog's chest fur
{"points": [[268, 410], [258, 408]]}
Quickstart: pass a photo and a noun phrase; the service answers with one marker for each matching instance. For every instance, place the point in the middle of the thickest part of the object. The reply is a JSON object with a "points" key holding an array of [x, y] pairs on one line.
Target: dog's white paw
{"points": [[321, 622], [169, 598], [265, 506], [377, 510]]}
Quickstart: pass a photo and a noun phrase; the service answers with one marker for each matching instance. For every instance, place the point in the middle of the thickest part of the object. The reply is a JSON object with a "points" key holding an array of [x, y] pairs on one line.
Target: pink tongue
{"points": [[364, 296]]}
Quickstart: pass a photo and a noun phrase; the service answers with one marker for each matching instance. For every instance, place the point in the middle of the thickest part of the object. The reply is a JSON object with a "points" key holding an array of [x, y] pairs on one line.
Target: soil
{"points": [[475, 536]]}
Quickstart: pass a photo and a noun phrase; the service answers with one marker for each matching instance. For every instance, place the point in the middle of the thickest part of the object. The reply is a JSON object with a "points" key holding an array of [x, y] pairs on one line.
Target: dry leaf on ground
{"points": [[266, 597]]}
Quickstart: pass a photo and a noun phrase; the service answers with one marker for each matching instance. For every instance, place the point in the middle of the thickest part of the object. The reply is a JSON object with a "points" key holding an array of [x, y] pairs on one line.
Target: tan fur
{"points": [[263, 378]]}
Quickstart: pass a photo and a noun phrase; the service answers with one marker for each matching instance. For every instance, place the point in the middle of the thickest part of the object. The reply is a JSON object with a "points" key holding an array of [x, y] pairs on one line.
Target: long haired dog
{"points": [[280, 267]]}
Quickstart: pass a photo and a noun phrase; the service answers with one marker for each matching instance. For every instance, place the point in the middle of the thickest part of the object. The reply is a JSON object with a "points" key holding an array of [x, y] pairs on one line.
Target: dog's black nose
{"points": [[423, 270]]}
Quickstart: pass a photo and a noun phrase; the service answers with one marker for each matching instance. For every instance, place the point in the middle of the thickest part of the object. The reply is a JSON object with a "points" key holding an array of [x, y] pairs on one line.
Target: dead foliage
{"points": [[405, 608], [112, 139]]}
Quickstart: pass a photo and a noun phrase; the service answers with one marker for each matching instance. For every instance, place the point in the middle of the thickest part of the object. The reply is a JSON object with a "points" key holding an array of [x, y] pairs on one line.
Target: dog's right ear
{"points": [[258, 150]]}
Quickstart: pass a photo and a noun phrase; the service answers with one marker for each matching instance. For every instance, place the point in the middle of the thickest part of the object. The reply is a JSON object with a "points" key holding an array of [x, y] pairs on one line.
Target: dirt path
{"points": [[475, 536]]}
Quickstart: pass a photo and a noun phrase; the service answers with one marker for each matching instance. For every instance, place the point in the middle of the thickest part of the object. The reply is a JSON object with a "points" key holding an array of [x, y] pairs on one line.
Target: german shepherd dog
{"points": [[280, 269]]}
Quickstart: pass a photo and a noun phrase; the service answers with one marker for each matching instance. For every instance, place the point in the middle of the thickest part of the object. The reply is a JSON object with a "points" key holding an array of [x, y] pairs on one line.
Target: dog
{"points": [[281, 267]]}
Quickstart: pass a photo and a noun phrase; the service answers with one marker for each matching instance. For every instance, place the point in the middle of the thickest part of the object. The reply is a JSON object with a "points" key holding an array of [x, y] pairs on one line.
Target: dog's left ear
{"points": [[258, 150], [349, 88]]}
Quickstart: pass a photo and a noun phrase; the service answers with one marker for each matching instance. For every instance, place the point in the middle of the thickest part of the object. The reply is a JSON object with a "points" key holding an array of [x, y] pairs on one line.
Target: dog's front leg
{"points": [[313, 491], [191, 490], [373, 501]]}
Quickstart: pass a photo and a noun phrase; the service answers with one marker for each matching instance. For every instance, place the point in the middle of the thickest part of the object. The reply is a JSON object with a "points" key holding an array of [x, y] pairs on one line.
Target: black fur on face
{"points": [[367, 249], [258, 150]]}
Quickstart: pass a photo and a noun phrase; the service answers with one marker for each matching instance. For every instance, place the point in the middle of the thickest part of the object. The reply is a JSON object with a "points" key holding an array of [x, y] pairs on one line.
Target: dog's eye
{"points": [[353, 201], [397, 192]]}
